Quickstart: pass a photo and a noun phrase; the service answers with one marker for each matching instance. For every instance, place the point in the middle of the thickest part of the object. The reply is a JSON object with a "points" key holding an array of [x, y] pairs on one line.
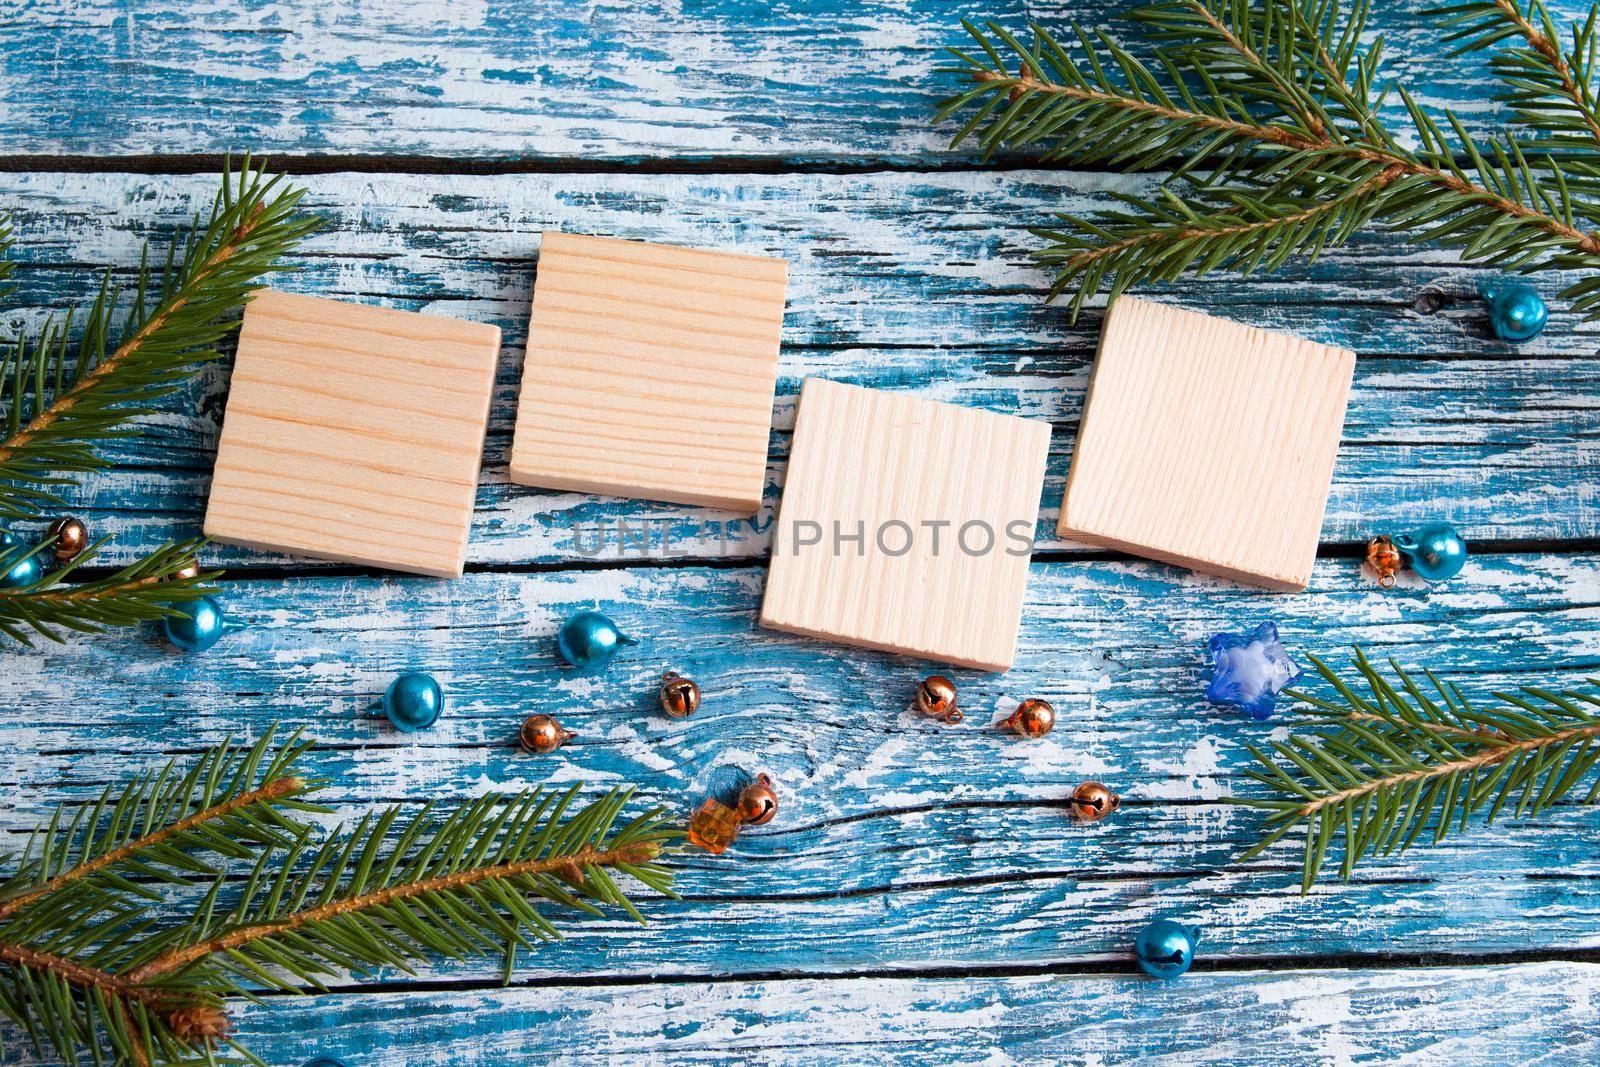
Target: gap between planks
{"points": [[1108, 967], [297, 165], [275, 571]]}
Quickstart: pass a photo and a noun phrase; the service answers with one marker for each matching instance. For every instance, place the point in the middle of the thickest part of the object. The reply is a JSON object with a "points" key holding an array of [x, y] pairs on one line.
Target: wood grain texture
{"points": [[906, 525], [898, 281], [904, 847], [353, 433], [1538, 1015], [612, 80], [1207, 443], [898, 834], [649, 372]]}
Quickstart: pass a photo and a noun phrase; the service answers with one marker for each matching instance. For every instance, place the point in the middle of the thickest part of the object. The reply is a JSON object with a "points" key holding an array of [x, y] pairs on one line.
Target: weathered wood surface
{"points": [[902, 843], [922, 890], [808, 81], [1534, 1015], [897, 281]]}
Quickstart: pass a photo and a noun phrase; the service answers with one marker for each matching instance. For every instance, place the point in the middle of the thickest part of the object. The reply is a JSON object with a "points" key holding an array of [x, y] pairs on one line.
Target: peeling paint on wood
{"points": [[897, 281], [905, 848], [611, 79], [902, 842]]}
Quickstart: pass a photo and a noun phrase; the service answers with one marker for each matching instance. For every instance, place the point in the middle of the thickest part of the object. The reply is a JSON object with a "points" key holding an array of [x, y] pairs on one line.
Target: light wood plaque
{"points": [[1207, 444], [920, 482], [650, 372], [353, 433]]}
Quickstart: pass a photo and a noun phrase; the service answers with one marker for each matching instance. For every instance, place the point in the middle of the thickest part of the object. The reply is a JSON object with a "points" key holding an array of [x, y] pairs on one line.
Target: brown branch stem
{"points": [[1373, 183], [80, 594], [1587, 242], [1466, 733], [1027, 83], [84, 976], [1310, 121], [273, 790], [1487, 758], [570, 866]]}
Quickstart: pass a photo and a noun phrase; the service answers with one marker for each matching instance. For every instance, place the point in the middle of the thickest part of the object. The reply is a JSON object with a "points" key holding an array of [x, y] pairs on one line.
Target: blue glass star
{"points": [[1249, 669]]}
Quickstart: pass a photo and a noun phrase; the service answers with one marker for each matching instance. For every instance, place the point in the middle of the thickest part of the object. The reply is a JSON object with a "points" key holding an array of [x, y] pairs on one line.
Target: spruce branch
{"points": [[1551, 91], [1266, 115], [72, 387], [76, 383], [230, 800], [145, 590], [1377, 768], [126, 928]]}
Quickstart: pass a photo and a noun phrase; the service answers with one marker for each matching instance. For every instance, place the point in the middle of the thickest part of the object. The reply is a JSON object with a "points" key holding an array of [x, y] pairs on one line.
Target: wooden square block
{"points": [[353, 433], [650, 372], [1207, 444], [920, 519]]}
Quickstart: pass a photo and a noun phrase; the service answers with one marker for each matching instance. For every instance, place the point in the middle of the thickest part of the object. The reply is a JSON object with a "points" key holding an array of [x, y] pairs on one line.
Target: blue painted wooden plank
{"points": [[1532, 1014], [896, 834], [809, 80], [900, 281]]}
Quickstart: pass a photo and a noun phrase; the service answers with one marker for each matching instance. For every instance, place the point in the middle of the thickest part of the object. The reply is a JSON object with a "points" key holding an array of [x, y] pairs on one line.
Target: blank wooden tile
{"points": [[650, 372], [353, 433], [1207, 444], [897, 471]]}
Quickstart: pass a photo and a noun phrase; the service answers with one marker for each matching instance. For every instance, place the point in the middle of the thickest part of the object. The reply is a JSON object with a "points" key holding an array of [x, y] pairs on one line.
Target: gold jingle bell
{"points": [[936, 698], [758, 802], [1092, 802], [541, 734], [1384, 559], [680, 697], [1033, 718], [71, 537]]}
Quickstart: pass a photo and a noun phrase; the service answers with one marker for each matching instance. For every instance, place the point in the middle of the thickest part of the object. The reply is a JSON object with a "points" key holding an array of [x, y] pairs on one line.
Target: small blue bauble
{"points": [[323, 1061], [1165, 949], [1516, 312], [589, 640], [413, 701], [1437, 552], [23, 571], [201, 625]]}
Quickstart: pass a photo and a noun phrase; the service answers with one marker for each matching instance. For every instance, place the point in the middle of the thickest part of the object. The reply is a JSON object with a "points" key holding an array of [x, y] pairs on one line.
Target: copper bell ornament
{"points": [[71, 537], [936, 698], [680, 697], [758, 802], [1033, 718], [1092, 802], [1385, 560], [541, 734]]}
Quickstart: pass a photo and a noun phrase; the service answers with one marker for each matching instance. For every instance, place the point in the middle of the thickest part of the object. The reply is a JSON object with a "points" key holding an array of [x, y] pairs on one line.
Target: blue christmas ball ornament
{"points": [[323, 1061], [1437, 552], [24, 571], [1516, 312], [413, 701], [589, 640], [1165, 949], [1249, 669], [200, 625]]}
